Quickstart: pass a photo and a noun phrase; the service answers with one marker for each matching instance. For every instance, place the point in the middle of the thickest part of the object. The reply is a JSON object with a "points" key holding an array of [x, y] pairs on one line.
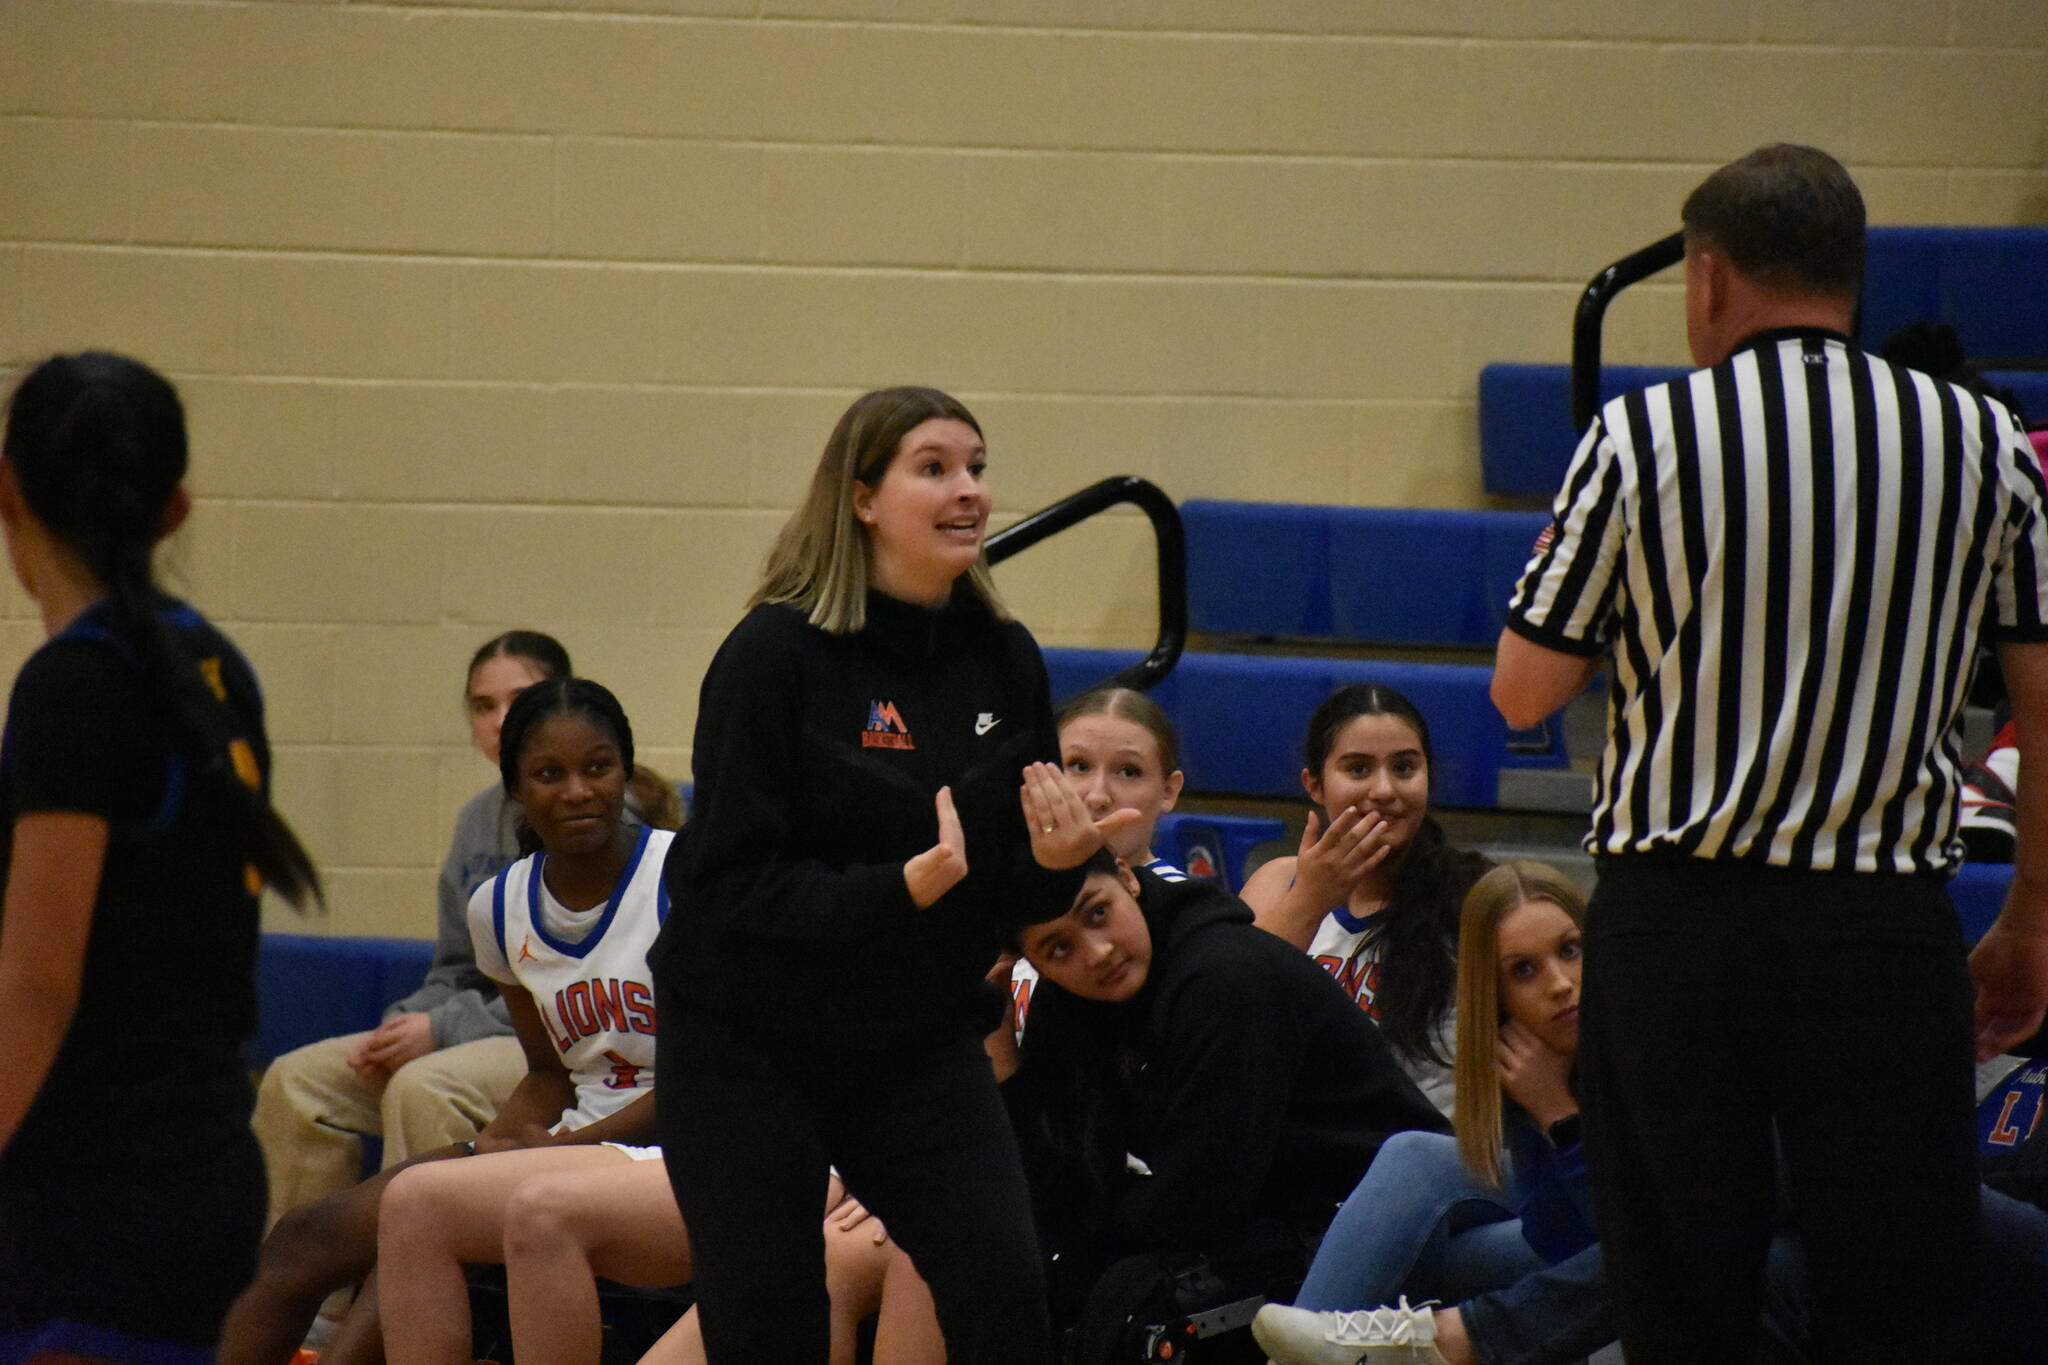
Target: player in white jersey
{"points": [[565, 932], [575, 976], [586, 979]]}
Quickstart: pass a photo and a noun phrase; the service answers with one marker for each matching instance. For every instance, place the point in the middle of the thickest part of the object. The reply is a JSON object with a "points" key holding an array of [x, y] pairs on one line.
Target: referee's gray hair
{"points": [[1788, 216], [821, 558]]}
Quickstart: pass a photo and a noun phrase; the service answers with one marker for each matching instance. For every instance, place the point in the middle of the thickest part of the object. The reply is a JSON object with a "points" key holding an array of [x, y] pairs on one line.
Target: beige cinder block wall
{"points": [[537, 313]]}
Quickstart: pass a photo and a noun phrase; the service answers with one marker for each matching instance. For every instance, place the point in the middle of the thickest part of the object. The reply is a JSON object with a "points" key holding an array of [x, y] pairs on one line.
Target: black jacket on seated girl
{"points": [[1240, 1075]]}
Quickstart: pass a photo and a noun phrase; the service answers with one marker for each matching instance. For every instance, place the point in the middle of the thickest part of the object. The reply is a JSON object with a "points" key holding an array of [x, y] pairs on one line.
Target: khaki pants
{"points": [[312, 1112]]}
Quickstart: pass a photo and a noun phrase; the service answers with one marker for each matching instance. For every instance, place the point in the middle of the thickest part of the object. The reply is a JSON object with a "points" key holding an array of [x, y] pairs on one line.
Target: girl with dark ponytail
{"points": [[137, 831]]}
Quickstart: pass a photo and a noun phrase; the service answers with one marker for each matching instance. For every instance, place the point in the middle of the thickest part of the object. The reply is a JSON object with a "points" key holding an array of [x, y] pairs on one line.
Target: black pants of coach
{"points": [[920, 1136], [1744, 1026]]}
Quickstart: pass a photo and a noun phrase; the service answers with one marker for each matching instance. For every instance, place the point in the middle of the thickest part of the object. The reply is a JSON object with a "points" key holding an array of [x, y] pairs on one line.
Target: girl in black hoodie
{"points": [[1189, 1084]]}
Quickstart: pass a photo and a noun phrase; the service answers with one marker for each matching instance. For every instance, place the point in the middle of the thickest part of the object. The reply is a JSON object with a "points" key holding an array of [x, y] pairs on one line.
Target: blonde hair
{"points": [[1476, 1069], [821, 560], [1125, 703]]}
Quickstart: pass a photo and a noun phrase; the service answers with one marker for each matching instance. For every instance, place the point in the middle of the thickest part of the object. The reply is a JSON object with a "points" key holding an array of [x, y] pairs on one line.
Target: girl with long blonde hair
{"points": [[1448, 1217]]}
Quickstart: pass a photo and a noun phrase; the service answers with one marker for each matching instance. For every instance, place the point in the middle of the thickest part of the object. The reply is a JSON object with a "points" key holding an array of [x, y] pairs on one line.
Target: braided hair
{"points": [[649, 795], [552, 697], [96, 442]]}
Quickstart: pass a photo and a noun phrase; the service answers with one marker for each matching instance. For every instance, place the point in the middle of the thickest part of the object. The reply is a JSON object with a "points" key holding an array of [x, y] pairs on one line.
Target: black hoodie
{"points": [[817, 760], [1240, 1074]]}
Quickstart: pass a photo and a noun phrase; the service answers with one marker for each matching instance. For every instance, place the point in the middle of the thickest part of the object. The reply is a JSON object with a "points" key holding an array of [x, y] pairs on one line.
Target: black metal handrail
{"points": [[1173, 559], [1600, 291]]}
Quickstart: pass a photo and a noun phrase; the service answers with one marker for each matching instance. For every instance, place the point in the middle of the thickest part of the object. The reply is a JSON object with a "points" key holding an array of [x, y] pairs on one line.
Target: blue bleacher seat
{"points": [[1386, 575], [1213, 846], [1989, 283], [1978, 891], [1241, 717], [314, 986], [1526, 437]]}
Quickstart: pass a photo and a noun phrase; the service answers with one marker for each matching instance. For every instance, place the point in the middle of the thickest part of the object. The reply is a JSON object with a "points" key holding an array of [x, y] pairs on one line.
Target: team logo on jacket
{"points": [[886, 729]]}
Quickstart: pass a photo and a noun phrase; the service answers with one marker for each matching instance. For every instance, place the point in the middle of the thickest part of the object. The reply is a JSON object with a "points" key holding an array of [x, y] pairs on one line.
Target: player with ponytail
{"points": [[137, 832]]}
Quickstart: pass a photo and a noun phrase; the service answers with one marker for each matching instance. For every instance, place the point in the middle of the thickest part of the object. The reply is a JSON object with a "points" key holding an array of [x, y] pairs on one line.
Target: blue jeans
{"points": [[1563, 1314], [1418, 1224], [2015, 1279]]}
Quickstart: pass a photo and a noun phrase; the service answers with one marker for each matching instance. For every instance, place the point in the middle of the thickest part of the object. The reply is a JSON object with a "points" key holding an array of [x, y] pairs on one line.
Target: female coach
{"points": [[853, 864]]}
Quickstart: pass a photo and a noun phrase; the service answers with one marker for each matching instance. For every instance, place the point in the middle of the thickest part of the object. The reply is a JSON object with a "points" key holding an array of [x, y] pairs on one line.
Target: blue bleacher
{"points": [[1405, 576], [1979, 894], [315, 986], [1990, 284], [1526, 437], [1241, 717], [1213, 846]]}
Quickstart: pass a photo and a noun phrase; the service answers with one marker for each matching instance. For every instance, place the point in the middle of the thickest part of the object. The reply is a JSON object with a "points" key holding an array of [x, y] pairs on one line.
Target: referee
{"points": [[1787, 559]]}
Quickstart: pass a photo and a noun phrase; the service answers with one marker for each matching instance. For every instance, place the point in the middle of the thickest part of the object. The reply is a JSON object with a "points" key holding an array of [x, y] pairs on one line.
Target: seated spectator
{"points": [[1373, 895], [564, 932], [1443, 1218], [1451, 1244], [444, 1059], [1188, 1085]]}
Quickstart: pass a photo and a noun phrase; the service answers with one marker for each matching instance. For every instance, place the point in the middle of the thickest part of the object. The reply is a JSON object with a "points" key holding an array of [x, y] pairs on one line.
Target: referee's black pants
{"points": [[1738, 1019], [748, 1128]]}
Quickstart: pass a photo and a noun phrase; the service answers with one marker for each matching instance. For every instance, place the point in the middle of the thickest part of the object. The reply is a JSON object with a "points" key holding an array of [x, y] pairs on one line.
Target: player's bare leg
{"points": [[437, 1218], [563, 1228]]}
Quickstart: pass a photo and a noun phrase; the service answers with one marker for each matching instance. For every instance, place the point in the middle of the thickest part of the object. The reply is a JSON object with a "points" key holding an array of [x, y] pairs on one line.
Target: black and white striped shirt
{"points": [[1791, 558]]}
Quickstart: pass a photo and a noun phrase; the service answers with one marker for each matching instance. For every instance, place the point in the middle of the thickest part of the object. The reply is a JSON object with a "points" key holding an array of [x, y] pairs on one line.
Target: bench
{"points": [[1241, 718], [1526, 437], [1404, 576], [314, 986]]}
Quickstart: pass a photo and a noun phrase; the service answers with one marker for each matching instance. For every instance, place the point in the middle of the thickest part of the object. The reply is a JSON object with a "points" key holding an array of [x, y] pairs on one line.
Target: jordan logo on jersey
{"points": [[1360, 980], [526, 949], [886, 729]]}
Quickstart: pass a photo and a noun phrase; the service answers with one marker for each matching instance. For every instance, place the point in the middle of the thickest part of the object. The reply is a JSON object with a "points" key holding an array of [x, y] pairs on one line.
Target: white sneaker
{"points": [[1374, 1336]]}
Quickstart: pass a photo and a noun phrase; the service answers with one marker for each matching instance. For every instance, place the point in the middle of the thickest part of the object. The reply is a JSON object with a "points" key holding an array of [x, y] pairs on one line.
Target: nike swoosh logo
{"points": [[986, 724]]}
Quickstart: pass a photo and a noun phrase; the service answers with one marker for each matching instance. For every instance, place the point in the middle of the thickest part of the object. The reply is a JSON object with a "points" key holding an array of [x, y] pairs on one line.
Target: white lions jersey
{"points": [[586, 970], [1346, 947]]}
